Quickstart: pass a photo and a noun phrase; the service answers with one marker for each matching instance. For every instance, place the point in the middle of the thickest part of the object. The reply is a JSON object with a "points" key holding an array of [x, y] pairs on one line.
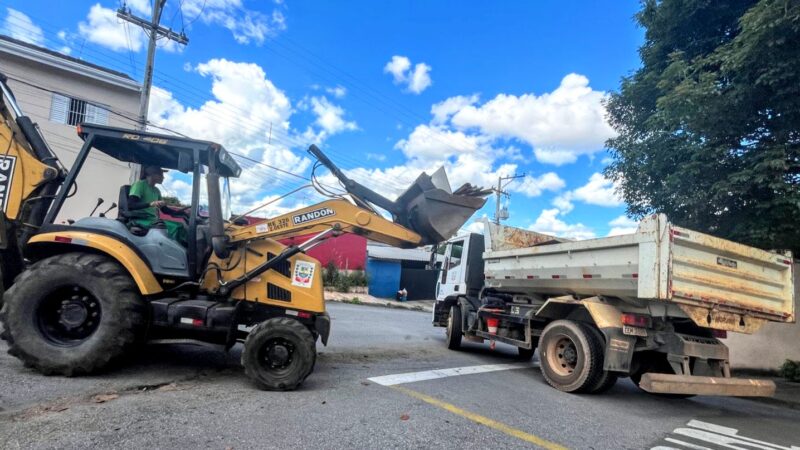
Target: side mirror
{"points": [[185, 163]]}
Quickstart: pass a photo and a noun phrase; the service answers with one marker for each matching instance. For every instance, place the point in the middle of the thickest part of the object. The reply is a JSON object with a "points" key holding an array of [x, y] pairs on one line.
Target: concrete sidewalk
{"points": [[366, 299]]}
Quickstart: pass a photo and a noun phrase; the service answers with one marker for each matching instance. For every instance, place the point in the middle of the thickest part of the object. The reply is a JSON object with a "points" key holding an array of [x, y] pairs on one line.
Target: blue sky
{"points": [[388, 89]]}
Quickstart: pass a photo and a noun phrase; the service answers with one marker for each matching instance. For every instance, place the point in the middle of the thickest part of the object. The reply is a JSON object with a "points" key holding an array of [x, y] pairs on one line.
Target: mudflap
{"points": [[322, 323], [619, 350], [662, 383]]}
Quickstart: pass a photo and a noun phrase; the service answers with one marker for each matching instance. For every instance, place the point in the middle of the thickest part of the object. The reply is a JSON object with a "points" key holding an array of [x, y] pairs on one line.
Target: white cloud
{"points": [[330, 116], [420, 79], [560, 125], [443, 110], [376, 156], [416, 80], [535, 186], [432, 142], [104, 28], [246, 25], [474, 227], [598, 191], [549, 223], [563, 202], [245, 106], [20, 26], [338, 91], [622, 225], [398, 67], [140, 6]]}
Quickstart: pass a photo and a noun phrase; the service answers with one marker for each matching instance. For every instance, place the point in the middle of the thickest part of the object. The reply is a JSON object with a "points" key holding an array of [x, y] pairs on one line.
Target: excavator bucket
{"points": [[428, 207], [431, 209]]}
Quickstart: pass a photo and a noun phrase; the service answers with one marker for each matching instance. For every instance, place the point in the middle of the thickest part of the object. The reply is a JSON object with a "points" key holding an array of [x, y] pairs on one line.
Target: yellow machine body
{"points": [[296, 284]]}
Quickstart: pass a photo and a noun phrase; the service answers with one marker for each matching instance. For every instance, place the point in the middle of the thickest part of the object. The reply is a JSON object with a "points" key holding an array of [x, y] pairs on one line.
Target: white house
{"points": [[58, 92]]}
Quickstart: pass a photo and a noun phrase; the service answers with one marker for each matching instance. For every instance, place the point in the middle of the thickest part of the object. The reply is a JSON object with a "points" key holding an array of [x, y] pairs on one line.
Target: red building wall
{"points": [[348, 251]]}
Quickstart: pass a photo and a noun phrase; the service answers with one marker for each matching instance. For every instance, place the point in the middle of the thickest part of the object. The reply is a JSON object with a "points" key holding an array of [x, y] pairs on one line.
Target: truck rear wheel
{"points": [[454, 331], [72, 314], [571, 358], [279, 354], [607, 379]]}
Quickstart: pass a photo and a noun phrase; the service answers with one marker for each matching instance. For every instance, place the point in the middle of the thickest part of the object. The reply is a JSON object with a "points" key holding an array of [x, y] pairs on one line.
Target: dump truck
{"points": [[652, 305], [81, 295]]}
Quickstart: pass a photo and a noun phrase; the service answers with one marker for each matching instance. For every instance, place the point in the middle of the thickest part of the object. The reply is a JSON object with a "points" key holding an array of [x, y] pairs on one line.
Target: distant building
{"points": [[390, 269], [58, 92]]}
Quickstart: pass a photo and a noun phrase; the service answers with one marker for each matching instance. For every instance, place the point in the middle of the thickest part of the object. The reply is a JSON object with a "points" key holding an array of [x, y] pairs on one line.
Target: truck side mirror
{"points": [[184, 162]]}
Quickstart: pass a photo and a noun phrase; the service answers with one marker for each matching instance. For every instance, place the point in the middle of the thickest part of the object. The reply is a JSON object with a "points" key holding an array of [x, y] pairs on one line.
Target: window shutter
{"points": [[101, 115], [59, 108], [96, 114]]}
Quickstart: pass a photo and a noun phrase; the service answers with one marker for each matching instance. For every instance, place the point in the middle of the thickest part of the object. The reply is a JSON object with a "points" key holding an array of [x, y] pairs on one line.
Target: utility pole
{"points": [[154, 32], [499, 193]]}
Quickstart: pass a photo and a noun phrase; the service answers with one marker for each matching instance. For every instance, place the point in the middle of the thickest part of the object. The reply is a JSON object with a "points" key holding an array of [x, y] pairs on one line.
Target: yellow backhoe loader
{"points": [[78, 296]]}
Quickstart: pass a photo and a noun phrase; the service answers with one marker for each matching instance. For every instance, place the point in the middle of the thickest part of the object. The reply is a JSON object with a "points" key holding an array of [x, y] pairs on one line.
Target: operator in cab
{"points": [[145, 197]]}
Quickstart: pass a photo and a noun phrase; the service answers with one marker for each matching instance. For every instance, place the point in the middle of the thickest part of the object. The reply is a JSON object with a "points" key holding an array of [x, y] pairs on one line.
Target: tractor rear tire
{"points": [[454, 332], [72, 314], [279, 354], [570, 357]]}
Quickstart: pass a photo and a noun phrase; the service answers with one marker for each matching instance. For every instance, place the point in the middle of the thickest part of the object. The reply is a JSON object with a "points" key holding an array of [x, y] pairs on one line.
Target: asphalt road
{"points": [[194, 397]]}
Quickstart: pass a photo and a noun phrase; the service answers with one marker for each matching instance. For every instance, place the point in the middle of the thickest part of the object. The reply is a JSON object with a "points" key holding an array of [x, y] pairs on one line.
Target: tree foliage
{"points": [[709, 126]]}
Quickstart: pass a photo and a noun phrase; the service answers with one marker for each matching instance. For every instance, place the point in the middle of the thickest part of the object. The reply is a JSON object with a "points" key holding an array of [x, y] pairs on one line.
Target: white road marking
{"points": [[718, 436], [413, 377], [686, 444]]}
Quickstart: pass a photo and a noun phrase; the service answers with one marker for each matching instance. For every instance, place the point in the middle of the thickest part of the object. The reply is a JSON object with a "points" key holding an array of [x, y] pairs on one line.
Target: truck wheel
{"points": [[607, 379], [72, 314], [279, 354], [454, 332], [571, 358]]}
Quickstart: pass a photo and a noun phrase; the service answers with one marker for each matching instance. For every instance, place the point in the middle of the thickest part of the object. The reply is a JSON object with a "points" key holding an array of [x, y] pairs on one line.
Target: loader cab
{"points": [[199, 159]]}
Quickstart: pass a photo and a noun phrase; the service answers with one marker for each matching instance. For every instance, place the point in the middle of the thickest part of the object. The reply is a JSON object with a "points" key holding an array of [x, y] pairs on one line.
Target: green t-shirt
{"points": [[147, 194]]}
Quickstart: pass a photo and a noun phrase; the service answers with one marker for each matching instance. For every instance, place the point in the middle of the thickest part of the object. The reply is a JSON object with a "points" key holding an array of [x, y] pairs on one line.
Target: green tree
{"points": [[709, 127]]}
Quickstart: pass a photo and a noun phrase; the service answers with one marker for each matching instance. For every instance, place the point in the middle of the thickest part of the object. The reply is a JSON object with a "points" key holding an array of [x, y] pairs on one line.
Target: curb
{"points": [[421, 308]]}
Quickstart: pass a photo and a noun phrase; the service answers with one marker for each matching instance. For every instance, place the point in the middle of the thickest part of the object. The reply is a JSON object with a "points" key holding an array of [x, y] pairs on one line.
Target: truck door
{"points": [[451, 279]]}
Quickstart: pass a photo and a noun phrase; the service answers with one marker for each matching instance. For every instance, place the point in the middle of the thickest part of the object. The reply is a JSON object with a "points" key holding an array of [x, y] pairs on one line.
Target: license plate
{"points": [[633, 331]]}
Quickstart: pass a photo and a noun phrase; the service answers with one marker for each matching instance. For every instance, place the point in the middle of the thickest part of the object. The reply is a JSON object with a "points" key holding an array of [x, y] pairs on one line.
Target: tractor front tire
{"points": [[72, 314], [279, 354]]}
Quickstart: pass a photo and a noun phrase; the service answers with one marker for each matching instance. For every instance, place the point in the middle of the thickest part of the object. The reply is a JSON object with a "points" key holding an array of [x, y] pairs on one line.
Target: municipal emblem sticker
{"points": [[303, 274]]}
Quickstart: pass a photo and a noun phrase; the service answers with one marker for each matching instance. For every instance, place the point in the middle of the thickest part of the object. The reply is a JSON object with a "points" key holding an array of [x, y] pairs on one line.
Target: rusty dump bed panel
{"points": [[709, 270], [717, 283]]}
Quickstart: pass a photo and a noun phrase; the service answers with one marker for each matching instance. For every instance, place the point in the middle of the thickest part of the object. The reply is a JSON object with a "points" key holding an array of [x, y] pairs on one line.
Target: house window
{"points": [[73, 111]]}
